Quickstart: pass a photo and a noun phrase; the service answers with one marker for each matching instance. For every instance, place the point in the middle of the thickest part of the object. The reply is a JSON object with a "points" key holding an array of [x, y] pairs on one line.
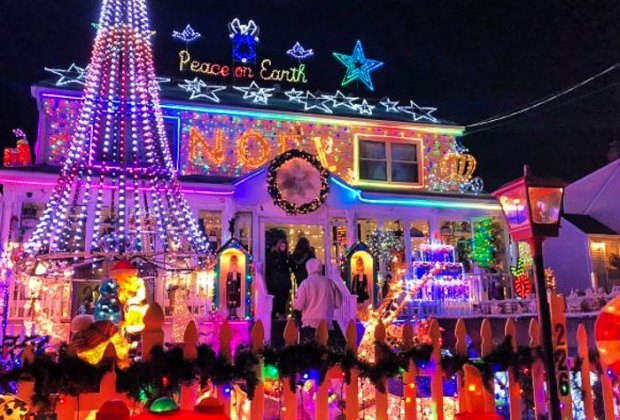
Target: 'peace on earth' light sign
{"points": [[267, 71]]}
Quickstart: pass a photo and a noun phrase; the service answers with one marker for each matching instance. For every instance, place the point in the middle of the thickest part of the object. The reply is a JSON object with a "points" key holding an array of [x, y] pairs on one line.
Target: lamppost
{"points": [[532, 208]]}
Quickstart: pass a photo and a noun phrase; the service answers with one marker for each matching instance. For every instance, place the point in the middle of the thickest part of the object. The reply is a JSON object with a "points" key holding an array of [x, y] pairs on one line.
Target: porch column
{"points": [[351, 228], [407, 239], [8, 202], [228, 212], [433, 227]]}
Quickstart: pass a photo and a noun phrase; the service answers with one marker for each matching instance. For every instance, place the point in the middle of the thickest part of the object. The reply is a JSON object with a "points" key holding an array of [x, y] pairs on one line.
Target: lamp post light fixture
{"points": [[532, 208]]}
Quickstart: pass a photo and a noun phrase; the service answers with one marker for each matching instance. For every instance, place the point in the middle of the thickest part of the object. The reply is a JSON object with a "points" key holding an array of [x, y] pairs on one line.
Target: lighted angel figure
{"points": [[359, 281], [244, 38]]}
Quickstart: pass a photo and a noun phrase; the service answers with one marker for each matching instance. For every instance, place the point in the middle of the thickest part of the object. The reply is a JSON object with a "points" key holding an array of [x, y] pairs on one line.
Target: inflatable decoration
{"points": [[19, 155], [607, 335], [12, 408], [131, 295], [113, 410]]}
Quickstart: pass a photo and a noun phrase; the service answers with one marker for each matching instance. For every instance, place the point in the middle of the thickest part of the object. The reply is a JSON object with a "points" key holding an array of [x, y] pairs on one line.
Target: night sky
{"points": [[471, 59]]}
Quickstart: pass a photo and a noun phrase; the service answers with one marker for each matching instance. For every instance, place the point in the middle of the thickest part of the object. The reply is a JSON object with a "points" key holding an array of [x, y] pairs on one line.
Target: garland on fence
{"points": [[166, 370], [501, 358]]}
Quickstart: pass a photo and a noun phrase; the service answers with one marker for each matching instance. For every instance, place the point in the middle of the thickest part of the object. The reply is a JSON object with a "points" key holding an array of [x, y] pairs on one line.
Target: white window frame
{"points": [[388, 141]]}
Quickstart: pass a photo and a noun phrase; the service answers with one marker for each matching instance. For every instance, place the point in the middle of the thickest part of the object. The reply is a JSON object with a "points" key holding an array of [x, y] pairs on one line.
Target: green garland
{"points": [[501, 358], [166, 370]]}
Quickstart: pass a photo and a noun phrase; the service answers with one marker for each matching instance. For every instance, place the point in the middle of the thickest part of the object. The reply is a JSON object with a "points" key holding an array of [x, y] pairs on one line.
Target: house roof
{"points": [[278, 101], [589, 225]]}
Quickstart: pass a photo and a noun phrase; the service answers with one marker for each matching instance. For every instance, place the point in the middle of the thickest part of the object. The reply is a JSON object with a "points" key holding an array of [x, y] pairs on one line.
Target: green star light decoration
{"points": [[358, 66]]}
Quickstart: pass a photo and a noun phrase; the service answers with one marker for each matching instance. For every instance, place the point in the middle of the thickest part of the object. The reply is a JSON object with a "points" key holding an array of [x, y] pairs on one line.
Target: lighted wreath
{"points": [[297, 182]]}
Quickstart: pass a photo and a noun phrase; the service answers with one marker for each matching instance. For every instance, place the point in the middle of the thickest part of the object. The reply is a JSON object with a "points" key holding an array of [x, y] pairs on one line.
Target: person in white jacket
{"points": [[316, 299]]}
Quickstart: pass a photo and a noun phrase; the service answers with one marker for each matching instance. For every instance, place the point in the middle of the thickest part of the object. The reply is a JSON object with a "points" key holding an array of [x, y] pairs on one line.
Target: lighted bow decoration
{"points": [[244, 38]]}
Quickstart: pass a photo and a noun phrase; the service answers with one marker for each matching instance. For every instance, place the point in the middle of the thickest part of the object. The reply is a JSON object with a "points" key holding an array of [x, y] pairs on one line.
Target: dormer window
{"points": [[388, 160]]}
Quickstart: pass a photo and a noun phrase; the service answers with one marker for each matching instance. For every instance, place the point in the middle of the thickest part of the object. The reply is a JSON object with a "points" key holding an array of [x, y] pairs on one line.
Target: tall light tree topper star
{"points": [[358, 66], [74, 74]]}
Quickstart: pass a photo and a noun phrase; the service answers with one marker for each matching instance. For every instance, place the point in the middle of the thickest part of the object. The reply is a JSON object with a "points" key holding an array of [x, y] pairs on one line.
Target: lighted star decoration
{"points": [[161, 81], [295, 183], [74, 74], [419, 112], [257, 94], [340, 99], [312, 101], [187, 35], [358, 66], [295, 95], [299, 52], [364, 108], [390, 106], [199, 89]]}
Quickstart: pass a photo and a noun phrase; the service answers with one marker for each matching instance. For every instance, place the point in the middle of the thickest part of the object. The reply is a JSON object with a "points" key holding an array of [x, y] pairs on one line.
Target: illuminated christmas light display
{"points": [[299, 52], [484, 242], [118, 154], [294, 95], [187, 35], [419, 113], [447, 282], [339, 99], [389, 106], [312, 101], [358, 66], [364, 108], [244, 39], [195, 88], [72, 75], [256, 94]]}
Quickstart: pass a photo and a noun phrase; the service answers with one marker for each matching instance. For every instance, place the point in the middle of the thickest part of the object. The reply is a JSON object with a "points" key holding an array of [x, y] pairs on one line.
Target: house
{"points": [[587, 252]]}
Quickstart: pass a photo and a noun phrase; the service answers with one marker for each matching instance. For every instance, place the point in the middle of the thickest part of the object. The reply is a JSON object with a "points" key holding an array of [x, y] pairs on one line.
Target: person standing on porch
{"points": [[279, 277], [316, 299], [301, 255]]}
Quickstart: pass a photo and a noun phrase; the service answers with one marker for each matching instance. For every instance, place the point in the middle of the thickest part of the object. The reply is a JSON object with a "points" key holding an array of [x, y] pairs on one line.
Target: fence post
{"points": [[289, 397], [322, 392], [189, 393], [153, 333], [538, 373], [582, 351], [257, 404], [381, 397], [486, 347], [460, 332], [437, 372], [352, 389], [409, 391], [224, 391], [514, 389], [608, 392], [25, 389]]}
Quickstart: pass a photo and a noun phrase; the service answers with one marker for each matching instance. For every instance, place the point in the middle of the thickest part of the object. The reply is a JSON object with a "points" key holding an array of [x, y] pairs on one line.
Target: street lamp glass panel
{"points": [[514, 204], [545, 204]]}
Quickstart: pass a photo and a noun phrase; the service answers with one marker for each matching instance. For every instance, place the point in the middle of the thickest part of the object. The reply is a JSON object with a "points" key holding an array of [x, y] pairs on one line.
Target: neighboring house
{"points": [[587, 252]]}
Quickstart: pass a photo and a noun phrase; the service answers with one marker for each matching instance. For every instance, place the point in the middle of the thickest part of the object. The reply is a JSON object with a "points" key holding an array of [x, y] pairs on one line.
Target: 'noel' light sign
{"points": [[267, 71]]}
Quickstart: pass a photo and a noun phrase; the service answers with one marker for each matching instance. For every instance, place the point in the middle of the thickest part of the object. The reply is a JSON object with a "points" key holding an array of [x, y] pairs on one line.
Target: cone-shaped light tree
{"points": [[118, 172]]}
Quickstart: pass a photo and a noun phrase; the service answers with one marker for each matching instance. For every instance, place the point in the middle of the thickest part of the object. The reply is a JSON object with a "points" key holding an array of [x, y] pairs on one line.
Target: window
{"points": [[389, 161]]}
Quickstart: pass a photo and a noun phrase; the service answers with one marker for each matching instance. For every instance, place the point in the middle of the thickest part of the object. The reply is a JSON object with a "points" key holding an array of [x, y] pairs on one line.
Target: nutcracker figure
{"points": [[233, 287]]}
